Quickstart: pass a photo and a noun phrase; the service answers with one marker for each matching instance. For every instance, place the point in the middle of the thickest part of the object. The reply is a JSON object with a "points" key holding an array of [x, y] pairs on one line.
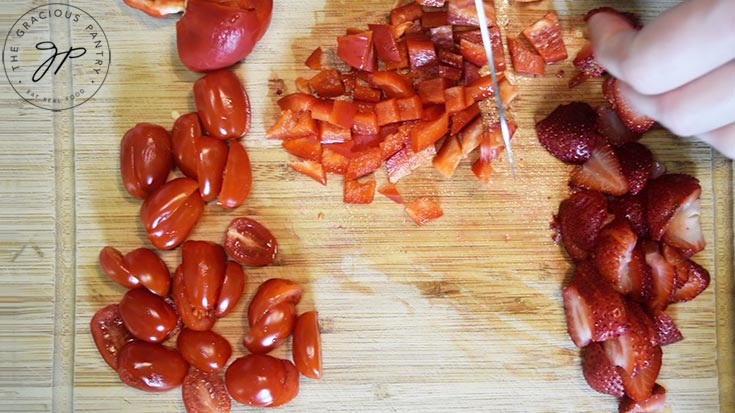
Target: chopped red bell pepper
{"points": [[395, 141], [463, 12], [365, 123], [482, 170], [384, 39], [423, 209], [310, 168], [307, 148], [387, 112], [343, 113], [433, 19], [463, 117], [364, 163], [403, 53], [545, 36], [331, 133], [357, 50], [392, 83], [390, 191], [524, 59], [403, 162], [410, 108], [406, 13], [366, 93], [314, 61], [291, 125], [334, 161], [327, 83], [455, 99], [356, 192], [428, 132], [432, 90], [448, 157], [421, 52], [297, 102]]}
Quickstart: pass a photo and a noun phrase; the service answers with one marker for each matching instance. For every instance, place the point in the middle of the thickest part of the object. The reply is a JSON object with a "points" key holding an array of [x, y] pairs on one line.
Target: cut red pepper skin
{"points": [[214, 35], [357, 51], [356, 192], [222, 104]]}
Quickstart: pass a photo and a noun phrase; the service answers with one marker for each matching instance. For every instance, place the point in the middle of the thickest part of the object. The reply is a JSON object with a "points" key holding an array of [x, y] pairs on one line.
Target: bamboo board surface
{"points": [[463, 313]]}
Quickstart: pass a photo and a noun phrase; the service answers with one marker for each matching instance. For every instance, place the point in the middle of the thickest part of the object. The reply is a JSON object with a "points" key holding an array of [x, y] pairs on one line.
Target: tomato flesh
{"points": [[205, 393], [250, 243], [109, 334]]}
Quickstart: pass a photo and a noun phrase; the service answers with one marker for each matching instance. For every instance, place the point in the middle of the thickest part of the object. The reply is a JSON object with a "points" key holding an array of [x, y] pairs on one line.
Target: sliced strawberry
{"points": [[612, 128], [524, 59], [634, 121], [662, 276], [691, 278], [545, 36], [587, 65], [636, 162], [655, 403], [665, 329], [601, 172], [599, 372], [632, 208], [579, 220], [639, 385], [594, 310], [672, 211], [634, 349], [568, 133], [613, 255]]}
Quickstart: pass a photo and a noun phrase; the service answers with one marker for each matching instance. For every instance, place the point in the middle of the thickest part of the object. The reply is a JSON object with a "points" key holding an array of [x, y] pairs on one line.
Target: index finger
{"points": [[682, 44]]}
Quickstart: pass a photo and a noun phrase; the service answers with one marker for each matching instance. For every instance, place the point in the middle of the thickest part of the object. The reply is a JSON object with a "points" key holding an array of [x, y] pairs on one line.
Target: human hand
{"points": [[679, 69]]}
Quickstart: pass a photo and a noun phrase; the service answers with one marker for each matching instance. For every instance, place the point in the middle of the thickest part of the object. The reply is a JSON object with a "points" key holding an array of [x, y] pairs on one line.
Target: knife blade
{"points": [[485, 33]]}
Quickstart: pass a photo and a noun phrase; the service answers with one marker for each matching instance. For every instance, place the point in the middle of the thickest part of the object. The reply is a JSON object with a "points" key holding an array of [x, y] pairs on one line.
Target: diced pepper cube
{"points": [[310, 168], [291, 125], [423, 209], [356, 192]]}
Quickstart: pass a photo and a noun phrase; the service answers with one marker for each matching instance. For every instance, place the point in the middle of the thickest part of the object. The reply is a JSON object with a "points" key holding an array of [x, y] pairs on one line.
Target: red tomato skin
{"points": [[192, 317], [109, 333], [272, 329], [149, 269], [248, 242], [111, 262], [151, 367], [307, 345], [205, 393], [222, 104], [271, 293], [203, 264], [232, 289], [205, 350], [212, 35], [211, 166], [237, 179], [171, 212], [145, 159], [147, 316], [262, 380], [184, 135]]}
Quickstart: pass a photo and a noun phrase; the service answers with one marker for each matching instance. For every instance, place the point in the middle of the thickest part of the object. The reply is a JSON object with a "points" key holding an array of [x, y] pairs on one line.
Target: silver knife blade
{"points": [[485, 33]]}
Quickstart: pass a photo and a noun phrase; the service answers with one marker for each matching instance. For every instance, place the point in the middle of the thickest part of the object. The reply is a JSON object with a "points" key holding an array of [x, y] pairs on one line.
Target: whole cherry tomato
{"points": [[271, 293], [232, 289], [171, 212], [249, 242], [151, 367], [192, 317], [111, 262], [147, 316], [222, 104], [205, 393], [262, 380], [145, 159], [203, 264], [272, 329], [211, 166], [149, 268], [109, 333], [184, 135], [216, 34], [307, 345], [205, 350], [237, 179]]}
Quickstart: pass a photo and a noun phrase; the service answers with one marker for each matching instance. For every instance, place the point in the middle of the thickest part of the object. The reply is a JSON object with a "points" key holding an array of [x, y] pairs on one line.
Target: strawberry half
{"points": [[579, 220], [665, 329], [634, 121], [639, 386], [636, 163], [601, 172], [672, 211], [691, 278], [568, 133], [653, 404], [662, 276], [612, 128], [630, 207], [587, 65], [634, 349], [594, 310], [599, 372], [613, 254]]}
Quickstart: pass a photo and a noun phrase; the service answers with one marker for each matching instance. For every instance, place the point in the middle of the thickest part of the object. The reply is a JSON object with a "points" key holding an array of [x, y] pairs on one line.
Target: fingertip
{"points": [[611, 35]]}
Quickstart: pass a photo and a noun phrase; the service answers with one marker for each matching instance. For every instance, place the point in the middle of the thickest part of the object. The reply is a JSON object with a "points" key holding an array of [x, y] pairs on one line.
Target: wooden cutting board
{"points": [[462, 314]]}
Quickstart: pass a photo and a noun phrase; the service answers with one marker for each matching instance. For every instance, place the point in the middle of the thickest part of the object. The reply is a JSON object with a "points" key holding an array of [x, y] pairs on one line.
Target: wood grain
{"points": [[463, 314]]}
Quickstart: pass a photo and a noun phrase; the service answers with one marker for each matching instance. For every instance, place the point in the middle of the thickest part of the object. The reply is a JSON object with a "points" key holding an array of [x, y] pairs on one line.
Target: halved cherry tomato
{"points": [[262, 380], [157, 8], [147, 316], [222, 104], [205, 393], [171, 212], [307, 345], [151, 367], [205, 350], [237, 178], [145, 159], [249, 242], [232, 288], [184, 135], [149, 268], [203, 264], [211, 166], [271, 293], [272, 329], [109, 333], [111, 262], [192, 317], [216, 34]]}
